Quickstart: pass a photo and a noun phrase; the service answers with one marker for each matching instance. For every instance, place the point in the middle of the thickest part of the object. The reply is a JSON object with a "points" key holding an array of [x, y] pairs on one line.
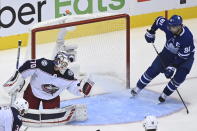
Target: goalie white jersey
{"points": [[9, 119], [47, 83]]}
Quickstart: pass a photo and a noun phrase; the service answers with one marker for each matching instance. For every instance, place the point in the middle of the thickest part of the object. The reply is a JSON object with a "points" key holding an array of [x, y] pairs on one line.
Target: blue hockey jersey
{"points": [[180, 47]]}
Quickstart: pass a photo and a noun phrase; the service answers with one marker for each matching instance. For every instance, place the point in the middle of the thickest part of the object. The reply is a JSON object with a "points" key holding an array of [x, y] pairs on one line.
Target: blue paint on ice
{"points": [[118, 107]]}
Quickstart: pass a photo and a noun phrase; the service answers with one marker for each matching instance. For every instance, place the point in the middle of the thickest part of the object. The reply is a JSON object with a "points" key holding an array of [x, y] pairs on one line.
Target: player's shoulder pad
{"points": [[160, 20], [187, 32], [42, 62], [186, 36], [28, 64], [45, 64], [69, 74]]}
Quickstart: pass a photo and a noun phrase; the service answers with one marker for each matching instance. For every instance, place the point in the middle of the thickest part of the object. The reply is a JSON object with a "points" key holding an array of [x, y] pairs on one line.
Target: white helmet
{"points": [[21, 105], [70, 51], [150, 123], [61, 60]]}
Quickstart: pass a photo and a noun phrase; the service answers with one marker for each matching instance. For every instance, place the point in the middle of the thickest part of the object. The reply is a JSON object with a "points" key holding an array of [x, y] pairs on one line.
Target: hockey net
{"points": [[103, 42]]}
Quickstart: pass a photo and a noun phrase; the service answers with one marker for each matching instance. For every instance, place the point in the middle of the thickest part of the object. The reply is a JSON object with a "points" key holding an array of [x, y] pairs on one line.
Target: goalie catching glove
{"points": [[15, 83], [86, 86]]}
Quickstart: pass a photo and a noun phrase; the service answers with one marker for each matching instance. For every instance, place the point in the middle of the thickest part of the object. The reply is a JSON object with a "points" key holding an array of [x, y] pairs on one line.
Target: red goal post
{"points": [[88, 21]]}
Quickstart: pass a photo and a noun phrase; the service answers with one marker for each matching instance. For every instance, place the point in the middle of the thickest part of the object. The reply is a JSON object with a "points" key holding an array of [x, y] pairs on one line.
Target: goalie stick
{"points": [[13, 97], [171, 79]]}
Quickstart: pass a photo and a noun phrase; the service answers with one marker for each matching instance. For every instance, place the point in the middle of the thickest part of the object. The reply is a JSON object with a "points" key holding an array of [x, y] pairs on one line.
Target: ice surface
{"points": [[142, 55]]}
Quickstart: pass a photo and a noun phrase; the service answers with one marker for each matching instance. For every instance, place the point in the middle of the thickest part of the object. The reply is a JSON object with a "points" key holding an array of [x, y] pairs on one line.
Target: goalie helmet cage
{"points": [[42, 27]]}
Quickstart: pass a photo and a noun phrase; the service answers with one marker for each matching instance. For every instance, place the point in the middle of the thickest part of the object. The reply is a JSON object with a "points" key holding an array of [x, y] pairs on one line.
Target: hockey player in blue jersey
{"points": [[176, 58]]}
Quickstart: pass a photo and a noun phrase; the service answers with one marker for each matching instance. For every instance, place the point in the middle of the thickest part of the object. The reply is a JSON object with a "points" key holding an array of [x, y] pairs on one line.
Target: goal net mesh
{"points": [[102, 45]]}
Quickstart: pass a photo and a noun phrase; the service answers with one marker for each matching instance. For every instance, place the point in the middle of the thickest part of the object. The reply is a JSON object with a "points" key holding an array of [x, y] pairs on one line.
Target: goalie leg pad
{"points": [[55, 117], [81, 112]]}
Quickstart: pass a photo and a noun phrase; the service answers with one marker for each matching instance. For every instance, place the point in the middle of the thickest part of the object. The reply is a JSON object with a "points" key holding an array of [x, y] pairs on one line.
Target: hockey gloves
{"points": [[169, 71], [86, 86], [150, 36]]}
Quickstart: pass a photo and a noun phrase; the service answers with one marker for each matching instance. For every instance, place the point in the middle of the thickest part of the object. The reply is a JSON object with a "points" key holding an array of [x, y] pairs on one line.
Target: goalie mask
{"points": [[21, 105], [61, 61]]}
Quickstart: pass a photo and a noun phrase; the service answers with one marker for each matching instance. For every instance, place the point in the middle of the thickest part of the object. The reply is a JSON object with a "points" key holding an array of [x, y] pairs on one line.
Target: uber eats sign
{"points": [[89, 6], [16, 16]]}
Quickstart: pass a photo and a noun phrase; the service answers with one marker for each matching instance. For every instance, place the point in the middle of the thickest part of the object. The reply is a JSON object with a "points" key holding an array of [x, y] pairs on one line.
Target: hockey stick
{"points": [[18, 54], [170, 78], [13, 96]]}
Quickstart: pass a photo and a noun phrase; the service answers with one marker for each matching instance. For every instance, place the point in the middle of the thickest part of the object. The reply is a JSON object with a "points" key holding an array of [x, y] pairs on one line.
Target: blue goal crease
{"points": [[118, 107]]}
